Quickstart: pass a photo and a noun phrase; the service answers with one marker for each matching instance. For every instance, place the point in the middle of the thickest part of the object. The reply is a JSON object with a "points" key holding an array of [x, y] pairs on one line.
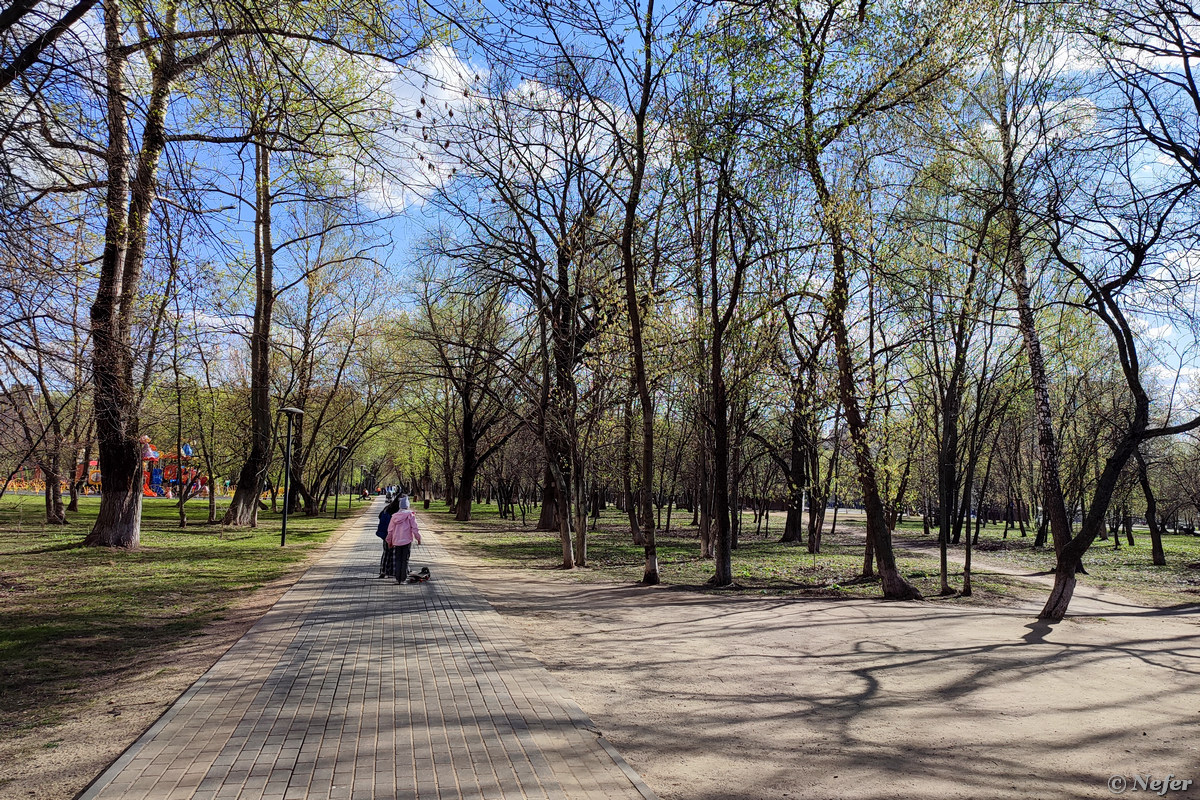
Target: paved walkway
{"points": [[354, 687]]}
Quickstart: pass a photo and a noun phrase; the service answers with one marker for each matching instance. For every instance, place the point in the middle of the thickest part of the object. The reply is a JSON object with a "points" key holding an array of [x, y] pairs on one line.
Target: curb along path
{"points": [[355, 687]]}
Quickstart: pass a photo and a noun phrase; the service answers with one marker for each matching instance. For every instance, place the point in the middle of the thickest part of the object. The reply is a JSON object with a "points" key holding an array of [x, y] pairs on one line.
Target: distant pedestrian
{"points": [[402, 532], [388, 559]]}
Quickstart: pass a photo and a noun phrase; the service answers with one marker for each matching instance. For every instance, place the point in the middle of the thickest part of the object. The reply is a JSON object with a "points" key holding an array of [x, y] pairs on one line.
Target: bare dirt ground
{"points": [[56, 762], [717, 697]]}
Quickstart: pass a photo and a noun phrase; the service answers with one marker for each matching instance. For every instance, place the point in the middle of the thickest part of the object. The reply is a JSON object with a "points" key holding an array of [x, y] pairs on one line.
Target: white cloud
{"points": [[425, 97], [1166, 331], [452, 118]]}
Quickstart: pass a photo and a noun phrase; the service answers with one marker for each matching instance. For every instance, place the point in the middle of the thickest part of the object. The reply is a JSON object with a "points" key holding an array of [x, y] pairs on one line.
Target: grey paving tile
{"points": [[355, 687]]}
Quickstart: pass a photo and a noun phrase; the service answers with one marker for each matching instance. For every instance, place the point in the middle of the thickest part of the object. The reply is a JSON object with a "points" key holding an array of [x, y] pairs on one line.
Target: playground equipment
{"points": [[173, 475], [152, 475], [162, 475], [178, 473], [93, 473]]}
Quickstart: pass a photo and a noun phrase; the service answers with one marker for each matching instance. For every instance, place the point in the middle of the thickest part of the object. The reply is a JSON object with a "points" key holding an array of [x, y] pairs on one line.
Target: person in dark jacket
{"points": [[388, 560]]}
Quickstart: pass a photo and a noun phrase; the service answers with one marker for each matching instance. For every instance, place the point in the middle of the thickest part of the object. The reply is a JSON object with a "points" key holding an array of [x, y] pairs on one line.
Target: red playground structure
{"points": [[173, 476]]}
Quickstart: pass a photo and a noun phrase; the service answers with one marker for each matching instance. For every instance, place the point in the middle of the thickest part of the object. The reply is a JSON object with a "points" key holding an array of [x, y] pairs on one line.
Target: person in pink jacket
{"points": [[402, 532]]}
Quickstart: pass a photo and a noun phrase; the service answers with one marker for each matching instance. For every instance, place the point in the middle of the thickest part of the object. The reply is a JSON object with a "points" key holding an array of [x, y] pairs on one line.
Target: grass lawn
{"points": [[760, 564], [75, 620], [1127, 570]]}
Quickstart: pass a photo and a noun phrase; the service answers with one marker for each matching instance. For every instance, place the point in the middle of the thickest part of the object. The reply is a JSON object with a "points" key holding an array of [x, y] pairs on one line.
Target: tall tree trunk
{"points": [[704, 477], [55, 514], [797, 475], [470, 465], [1158, 556], [633, 307], [895, 587], [947, 479], [243, 508], [563, 515], [1055, 506], [127, 209], [1055, 509], [735, 489], [817, 505], [630, 503], [580, 509], [966, 585], [723, 550], [548, 519]]}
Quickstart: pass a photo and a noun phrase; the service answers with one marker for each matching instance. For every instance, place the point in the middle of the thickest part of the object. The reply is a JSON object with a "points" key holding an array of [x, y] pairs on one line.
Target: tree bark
{"points": [[797, 475], [1158, 556], [630, 503], [818, 504], [127, 210], [243, 508], [563, 516], [548, 519], [633, 306], [723, 551], [466, 486], [55, 514], [1055, 506], [895, 587], [84, 457]]}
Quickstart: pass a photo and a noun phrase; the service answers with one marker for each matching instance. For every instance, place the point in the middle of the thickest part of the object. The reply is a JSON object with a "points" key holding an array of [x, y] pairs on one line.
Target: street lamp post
{"points": [[287, 470], [337, 480]]}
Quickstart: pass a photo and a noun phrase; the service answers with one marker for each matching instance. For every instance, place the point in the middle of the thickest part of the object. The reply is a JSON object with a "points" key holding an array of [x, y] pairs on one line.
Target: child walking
{"points": [[402, 532]]}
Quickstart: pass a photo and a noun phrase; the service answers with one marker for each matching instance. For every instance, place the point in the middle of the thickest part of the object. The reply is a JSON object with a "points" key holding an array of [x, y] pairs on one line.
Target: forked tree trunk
{"points": [[127, 209], [1063, 590], [1070, 560]]}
